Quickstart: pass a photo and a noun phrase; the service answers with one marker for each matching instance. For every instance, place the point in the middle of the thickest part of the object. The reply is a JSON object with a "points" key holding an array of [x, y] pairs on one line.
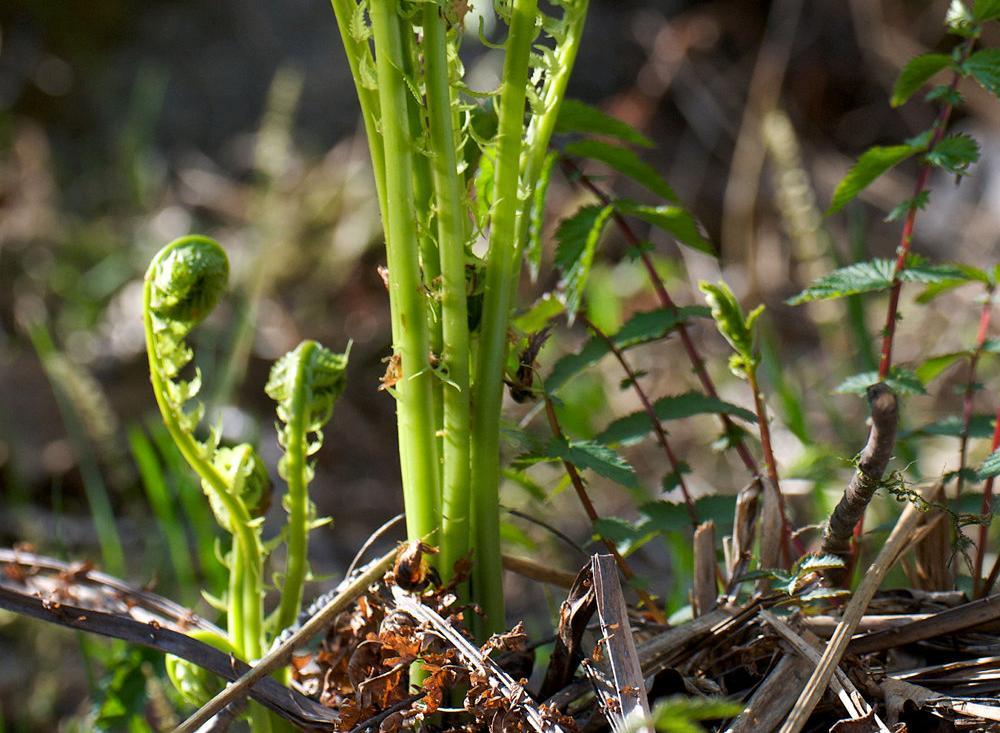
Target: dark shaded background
{"points": [[124, 124]]}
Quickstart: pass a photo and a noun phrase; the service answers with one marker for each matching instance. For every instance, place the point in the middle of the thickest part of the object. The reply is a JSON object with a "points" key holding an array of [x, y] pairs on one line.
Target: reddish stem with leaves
{"points": [[574, 173], [588, 506], [906, 236], [970, 391], [647, 405]]}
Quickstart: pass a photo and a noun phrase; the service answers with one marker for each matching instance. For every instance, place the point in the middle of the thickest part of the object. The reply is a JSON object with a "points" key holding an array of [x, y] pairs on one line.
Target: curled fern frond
{"points": [[305, 383]]}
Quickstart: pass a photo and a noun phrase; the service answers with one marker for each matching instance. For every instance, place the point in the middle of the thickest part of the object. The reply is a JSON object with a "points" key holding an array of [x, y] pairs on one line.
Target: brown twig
{"points": [[764, 428], [868, 475], [573, 173], [588, 506], [647, 406], [981, 589]]}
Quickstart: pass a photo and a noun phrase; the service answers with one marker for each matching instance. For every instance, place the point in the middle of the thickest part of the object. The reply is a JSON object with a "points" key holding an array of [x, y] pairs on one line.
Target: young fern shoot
{"points": [[305, 383]]}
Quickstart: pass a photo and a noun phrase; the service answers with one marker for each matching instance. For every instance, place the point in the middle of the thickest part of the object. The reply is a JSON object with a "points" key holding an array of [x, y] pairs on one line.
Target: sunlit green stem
{"points": [[449, 198], [501, 270], [414, 400]]}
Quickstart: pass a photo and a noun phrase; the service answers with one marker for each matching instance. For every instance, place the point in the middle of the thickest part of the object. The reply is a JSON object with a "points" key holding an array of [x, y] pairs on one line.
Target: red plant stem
{"points": [[906, 237], [588, 506], [574, 173], [977, 573], [772, 465], [661, 434], [970, 391]]}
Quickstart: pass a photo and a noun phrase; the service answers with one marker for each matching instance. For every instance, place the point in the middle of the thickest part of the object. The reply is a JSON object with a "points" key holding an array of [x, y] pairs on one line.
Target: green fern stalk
{"points": [[415, 404], [501, 270], [449, 202]]}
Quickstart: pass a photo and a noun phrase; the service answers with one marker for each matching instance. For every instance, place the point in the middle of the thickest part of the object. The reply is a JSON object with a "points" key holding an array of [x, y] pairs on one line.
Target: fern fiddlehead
{"points": [[304, 383], [183, 284]]}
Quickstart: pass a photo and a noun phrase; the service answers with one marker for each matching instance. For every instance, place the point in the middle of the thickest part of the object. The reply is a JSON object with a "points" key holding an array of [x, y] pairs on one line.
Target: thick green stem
{"points": [[501, 270], [449, 197], [414, 392], [234, 601]]}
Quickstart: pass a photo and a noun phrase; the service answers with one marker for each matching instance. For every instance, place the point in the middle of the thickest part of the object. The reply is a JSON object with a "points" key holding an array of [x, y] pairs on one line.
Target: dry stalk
{"points": [[706, 591], [901, 536], [868, 475], [280, 654]]}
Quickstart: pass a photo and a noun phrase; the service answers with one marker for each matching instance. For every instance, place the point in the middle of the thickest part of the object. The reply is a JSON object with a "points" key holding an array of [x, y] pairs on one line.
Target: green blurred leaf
{"points": [[873, 163], [965, 274], [639, 329], [903, 381], [954, 153], [627, 536], [980, 426], [633, 428], [930, 369], [916, 73], [984, 10], [625, 162], [683, 714], [985, 68], [578, 237], [539, 314], [673, 220], [575, 116], [990, 467]]}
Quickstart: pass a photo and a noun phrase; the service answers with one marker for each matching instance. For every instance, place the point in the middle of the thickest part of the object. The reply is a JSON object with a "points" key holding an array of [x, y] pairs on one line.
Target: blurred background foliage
{"points": [[124, 125]]}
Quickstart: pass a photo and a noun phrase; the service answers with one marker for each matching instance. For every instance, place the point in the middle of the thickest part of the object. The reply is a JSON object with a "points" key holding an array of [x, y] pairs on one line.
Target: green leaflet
{"points": [[575, 116], [578, 237], [633, 428], [903, 382], [625, 162], [873, 163], [674, 220], [954, 153], [641, 328], [873, 276], [985, 10], [990, 467], [916, 73], [984, 66], [598, 458], [980, 426], [536, 217]]}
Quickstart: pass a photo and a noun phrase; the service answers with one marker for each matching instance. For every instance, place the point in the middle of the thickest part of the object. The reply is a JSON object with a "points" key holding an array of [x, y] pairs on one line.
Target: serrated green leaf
{"points": [[954, 153], [589, 454], [633, 428], [915, 74], [539, 314], [673, 220], [814, 563], [873, 276], [903, 381], [903, 208], [990, 467], [932, 368], [945, 94], [980, 426], [625, 162], [985, 68], [536, 217], [575, 116], [985, 10], [575, 254], [666, 516], [872, 164], [639, 329], [964, 274]]}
